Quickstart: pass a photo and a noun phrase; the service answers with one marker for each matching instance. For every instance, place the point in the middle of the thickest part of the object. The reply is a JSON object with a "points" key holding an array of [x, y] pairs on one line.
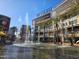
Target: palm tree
{"points": [[49, 24], [44, 32], [72, 12], [45, 24], [74, 9], [56, 25]]}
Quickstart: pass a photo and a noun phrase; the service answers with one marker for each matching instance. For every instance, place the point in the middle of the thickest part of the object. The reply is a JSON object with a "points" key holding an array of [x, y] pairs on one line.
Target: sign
{"points": [[4, 22]]}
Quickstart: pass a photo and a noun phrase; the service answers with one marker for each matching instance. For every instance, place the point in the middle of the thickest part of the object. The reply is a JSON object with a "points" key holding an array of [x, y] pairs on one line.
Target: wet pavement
{"points": [[38, 52], [12, 52]]}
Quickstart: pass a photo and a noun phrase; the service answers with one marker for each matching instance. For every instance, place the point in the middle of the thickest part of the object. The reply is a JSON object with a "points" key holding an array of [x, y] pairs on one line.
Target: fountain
{"points": [[27, 42]]}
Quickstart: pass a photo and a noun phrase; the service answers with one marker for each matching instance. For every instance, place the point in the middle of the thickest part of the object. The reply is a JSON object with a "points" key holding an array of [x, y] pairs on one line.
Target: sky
{"points": [[20, 10]]}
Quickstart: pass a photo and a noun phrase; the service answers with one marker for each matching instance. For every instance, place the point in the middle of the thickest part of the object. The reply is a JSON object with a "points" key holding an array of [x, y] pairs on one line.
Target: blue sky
{"points": [[19, 8]]}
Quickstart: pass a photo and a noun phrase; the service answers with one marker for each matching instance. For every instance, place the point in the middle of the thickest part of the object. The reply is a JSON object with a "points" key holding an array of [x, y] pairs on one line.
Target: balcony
{"points": [[74, 34]]}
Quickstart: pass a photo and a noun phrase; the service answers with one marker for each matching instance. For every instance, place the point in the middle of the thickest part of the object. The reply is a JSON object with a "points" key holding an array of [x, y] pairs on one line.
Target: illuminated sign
{"points": [[4, 22]]}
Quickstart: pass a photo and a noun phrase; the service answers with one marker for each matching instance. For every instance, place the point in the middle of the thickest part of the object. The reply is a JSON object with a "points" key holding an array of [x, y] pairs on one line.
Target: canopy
{"points": [[2, 33]]}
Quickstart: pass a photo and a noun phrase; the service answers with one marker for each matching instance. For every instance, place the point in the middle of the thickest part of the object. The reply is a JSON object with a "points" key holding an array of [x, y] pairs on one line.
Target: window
{"points": [[70, 23], [66, 23], [63, 24], [75, 21]]}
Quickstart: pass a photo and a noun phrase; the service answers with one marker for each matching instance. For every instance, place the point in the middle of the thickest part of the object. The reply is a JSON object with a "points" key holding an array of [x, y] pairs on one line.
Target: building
{"points": [[67, 26], [13, 30], [68, 15], [4, 23], [23, 32], [42, 26], [4, 28], [12, 33]]}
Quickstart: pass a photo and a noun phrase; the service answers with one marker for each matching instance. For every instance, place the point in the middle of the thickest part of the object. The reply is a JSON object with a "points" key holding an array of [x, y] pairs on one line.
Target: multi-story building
{"points": [[12, 33], [13, 30], [67, 25], [23, 32], [42, 26], [4, 28], [4, 23], [68, 15]]}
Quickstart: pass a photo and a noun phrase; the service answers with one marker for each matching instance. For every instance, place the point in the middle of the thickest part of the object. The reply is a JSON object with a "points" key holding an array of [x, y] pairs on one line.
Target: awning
{"points": [[2, 33]]}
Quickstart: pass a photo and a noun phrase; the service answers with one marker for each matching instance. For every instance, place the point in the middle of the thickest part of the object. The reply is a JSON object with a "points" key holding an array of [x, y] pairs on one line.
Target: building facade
{"points": [[4, 28], [23, 32], [68, 15], [47, 28], [42, 26], [4, 23], [12, 33]]}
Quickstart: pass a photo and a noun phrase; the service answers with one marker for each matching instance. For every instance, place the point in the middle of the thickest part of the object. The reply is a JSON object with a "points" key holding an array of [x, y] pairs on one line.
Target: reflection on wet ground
{"points": [[57, 53], [12, 52]]}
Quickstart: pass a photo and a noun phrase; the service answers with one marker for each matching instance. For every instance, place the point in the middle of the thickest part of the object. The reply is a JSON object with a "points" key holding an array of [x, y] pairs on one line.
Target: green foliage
{"points": [[55, 20], [29, 28]]}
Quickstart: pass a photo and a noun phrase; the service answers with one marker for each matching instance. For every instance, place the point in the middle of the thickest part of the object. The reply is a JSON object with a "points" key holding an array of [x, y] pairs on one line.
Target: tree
{"points": [[72, 12], [47, 24], [29, 31], [44, 25], [56, 32]]}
